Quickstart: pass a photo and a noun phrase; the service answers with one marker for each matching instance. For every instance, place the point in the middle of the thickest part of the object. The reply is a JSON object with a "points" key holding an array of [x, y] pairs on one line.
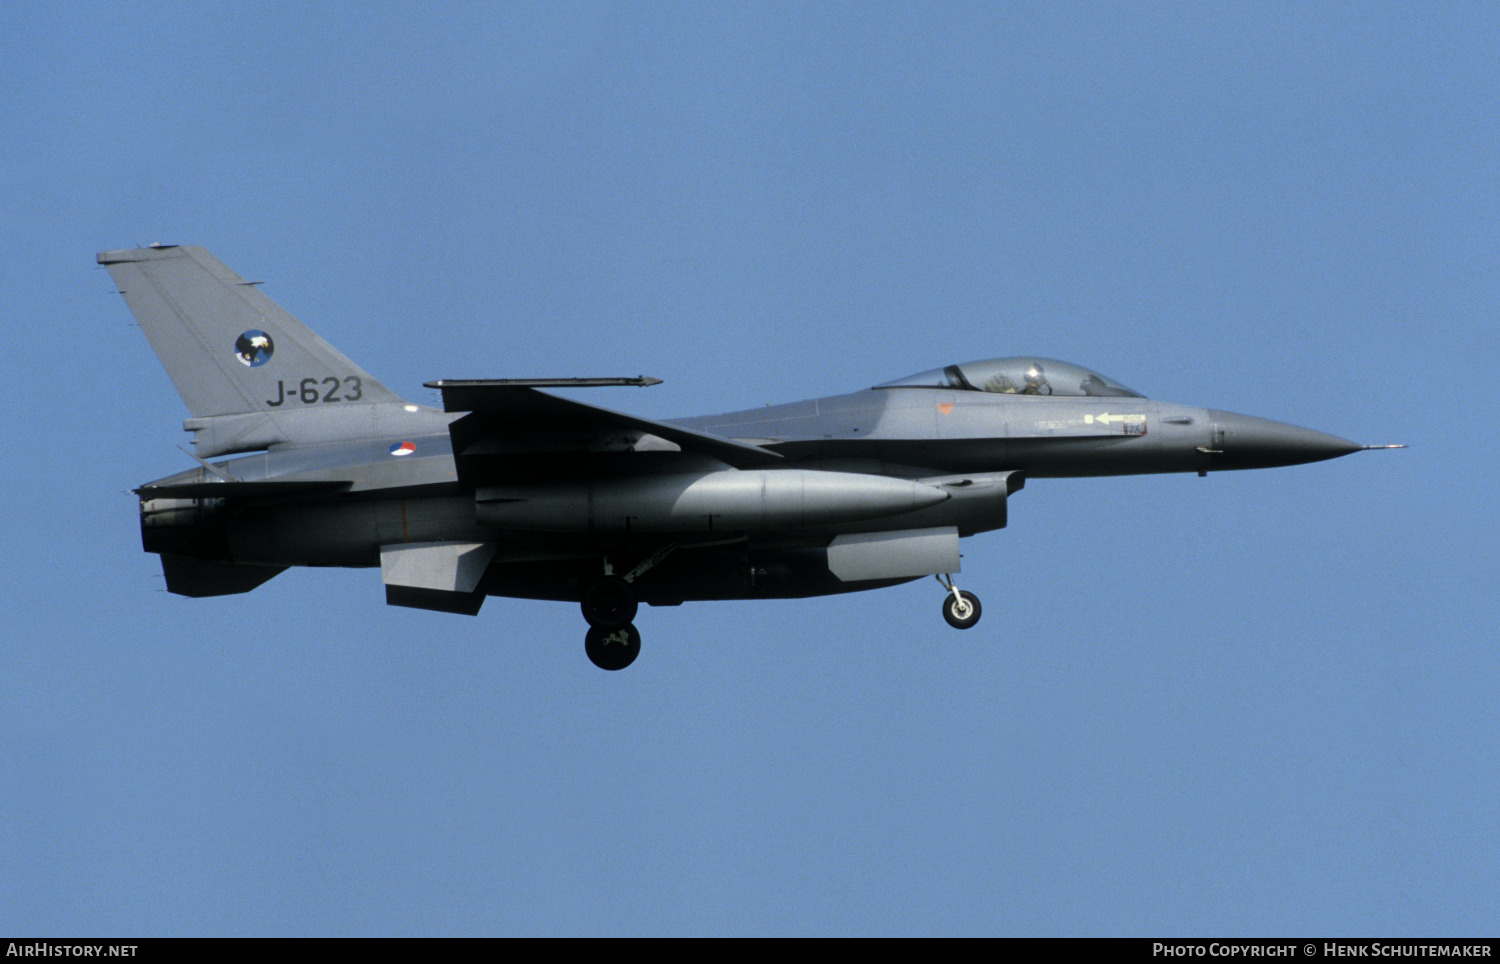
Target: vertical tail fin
{"points": [[228, 348]]}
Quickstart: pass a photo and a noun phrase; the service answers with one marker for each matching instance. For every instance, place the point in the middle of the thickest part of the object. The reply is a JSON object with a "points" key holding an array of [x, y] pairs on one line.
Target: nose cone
{"points": [[1247, 442]]}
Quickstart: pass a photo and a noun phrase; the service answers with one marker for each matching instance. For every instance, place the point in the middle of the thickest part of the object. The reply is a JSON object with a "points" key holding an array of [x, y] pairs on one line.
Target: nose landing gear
{"points": [[960, 608]]}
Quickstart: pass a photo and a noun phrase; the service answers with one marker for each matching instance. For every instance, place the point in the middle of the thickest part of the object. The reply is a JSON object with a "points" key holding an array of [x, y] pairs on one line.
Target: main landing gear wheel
{"points": [[610, 603], [612, 649]]}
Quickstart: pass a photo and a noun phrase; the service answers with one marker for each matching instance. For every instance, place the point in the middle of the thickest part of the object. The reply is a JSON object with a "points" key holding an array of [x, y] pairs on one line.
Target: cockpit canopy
{"points": [[1026, 375]]}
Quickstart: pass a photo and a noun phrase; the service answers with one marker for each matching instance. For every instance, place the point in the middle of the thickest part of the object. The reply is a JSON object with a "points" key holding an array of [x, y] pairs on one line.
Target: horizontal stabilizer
{"points": [[237, 490], [187, 576]]}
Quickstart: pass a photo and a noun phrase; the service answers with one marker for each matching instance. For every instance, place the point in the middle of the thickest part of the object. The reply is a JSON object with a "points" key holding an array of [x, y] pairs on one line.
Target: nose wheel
{"points": [[960, 608]]}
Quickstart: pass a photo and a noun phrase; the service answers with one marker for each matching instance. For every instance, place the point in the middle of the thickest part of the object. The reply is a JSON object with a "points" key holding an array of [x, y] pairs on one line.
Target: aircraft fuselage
{"points": [[512, 491]]}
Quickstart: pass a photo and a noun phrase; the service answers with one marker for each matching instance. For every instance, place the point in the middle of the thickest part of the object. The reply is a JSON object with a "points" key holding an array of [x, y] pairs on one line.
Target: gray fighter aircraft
{"points": [[511, 491]]}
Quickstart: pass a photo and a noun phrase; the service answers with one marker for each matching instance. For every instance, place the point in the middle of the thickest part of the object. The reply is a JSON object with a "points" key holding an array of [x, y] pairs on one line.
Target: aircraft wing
{"points": [[512, 418]]}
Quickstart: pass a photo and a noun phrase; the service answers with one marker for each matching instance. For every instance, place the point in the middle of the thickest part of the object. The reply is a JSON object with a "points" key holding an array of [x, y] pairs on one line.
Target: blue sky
{"points": [[1257, 703]]}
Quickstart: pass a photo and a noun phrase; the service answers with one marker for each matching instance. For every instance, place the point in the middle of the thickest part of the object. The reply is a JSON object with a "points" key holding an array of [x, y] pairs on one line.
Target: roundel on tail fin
{"points": [[254, 348]]}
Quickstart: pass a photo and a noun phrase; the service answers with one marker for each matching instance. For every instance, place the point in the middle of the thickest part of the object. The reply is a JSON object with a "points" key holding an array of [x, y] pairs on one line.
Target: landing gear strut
{"points": [[960, 608]]}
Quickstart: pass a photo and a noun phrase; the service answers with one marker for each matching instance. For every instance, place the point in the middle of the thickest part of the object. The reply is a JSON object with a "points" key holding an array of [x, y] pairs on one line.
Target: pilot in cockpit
{"points": [[1036, 381]]}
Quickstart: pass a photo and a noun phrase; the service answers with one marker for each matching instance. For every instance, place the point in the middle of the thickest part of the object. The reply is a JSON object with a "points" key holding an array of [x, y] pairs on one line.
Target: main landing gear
{"points": [[609, 605], [960, 607]]}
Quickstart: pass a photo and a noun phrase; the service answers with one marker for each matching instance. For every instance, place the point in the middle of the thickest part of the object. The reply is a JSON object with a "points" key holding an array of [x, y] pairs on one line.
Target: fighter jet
{"points": [[508, 490]]}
